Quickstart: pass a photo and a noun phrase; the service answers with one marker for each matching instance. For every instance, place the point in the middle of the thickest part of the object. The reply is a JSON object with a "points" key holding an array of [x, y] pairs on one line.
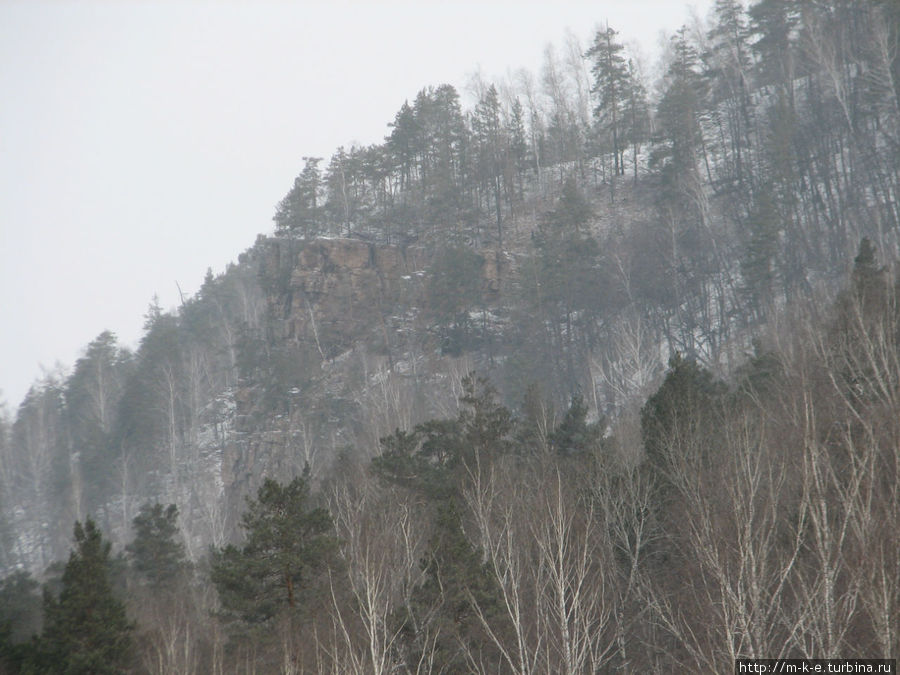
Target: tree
{"points": [[486, 424], [492, 152], [727, 61], [574, 435], [868, 277], [168, 608], [381, 536], [440, 142], [440, 454], [440, 459], [20, 606], [678, 117], [155, 553], [7, 481], [565, 133], [455, 584], [152, 411], [679, 414], [536, 421], [299, 211], [611, 84], [638, 111], [572, 212], [345, 189], [781, 164], [287, 543], [453, 290], [41, 464], [401, 144], [683, 200], [774, 24], [563, 278], [761, 244], [86, 630], [92, 395], [518, 142]]}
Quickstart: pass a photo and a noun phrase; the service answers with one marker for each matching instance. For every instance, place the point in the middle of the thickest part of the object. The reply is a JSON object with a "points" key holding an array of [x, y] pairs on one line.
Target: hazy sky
{"points": [[143, 142]]}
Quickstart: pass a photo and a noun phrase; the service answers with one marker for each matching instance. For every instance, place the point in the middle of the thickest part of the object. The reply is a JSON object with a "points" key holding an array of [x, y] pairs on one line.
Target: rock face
{"points": [[349, 319], [333, 291], [339, 312]]}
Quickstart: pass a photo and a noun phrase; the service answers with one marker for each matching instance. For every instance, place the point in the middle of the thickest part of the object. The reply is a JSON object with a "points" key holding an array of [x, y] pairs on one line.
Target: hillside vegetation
{"points": [[600, 374]]}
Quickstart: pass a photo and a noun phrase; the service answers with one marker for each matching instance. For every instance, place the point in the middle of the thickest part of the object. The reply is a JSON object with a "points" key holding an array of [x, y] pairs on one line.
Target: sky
{"points": [[142, 143]]}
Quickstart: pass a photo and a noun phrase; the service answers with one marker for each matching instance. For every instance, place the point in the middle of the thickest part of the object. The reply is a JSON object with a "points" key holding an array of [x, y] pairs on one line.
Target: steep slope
{"points": [[506, 239]]}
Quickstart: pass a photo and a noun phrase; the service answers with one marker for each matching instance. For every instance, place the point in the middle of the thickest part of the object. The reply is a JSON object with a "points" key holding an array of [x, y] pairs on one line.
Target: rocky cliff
{"points": [[351, 354]]}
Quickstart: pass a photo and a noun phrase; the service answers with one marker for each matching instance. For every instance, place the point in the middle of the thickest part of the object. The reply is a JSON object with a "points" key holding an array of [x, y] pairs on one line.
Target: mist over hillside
{"points": [[598, 374]]}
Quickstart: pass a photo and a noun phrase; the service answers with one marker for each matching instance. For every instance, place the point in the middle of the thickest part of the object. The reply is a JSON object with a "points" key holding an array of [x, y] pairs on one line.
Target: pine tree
{"points": [[727, 65], [535, 422], [86, 631], [566, 274], [92, 396], [340, 187], [435, 456], [638, 111], [866, 314], [155, 552], [485, 423], [401, 144], [287, 544], [299, 211], [574, 435], [489, 137], [438, 459], [758, 263], [610, 69], [774, 25], [676, 417], [678, 116], [453, 289], [868, 297], [441, 140], [20, 607], [518, 143], [455, 583]]}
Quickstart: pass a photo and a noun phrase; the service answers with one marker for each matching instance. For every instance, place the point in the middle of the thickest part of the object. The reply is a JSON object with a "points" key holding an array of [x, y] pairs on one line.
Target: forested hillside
{"points": [[598, 374]]}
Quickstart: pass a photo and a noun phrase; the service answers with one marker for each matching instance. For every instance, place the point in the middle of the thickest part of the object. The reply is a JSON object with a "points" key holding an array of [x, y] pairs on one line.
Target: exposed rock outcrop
{"points": [[331, 292]]}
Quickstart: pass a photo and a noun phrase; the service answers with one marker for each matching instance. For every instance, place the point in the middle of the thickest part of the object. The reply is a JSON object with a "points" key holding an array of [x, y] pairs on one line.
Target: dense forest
{"points": [[601, 374]]}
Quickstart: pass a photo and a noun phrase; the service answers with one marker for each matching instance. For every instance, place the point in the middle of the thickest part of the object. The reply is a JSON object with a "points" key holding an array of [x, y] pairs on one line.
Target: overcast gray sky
{"points": [[143, 142]]}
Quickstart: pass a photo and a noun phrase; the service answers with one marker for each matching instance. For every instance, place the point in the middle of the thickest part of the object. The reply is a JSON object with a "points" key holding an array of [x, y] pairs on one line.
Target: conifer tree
{"points": [[453, 290], [486, 424], [86, 631], [489, 137], [610, 69], [518, 142], [20, 609], [575, 435], [774, 25], [92, 395], [155, 553], [456, 583], [299, 211], [638, 112], [727, 65], [401, 144], [566, 273], [758, 264], [439, 459], [679, 120], [675, 418], [287, 543]]}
